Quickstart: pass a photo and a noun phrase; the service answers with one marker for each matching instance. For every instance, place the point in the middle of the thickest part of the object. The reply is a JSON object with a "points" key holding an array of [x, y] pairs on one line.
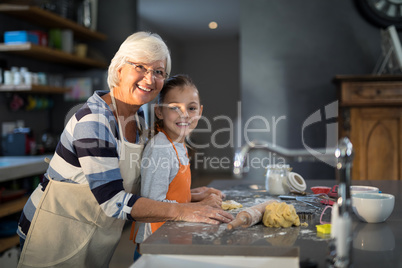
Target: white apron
{"points": [[69, 228]]}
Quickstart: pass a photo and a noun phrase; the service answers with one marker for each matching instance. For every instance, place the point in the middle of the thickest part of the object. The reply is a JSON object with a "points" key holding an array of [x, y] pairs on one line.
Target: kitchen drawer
{"points": [[371, 93]]}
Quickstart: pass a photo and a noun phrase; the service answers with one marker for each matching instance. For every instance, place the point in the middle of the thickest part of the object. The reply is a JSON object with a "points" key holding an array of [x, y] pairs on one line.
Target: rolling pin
{"points": [[249, 216]]}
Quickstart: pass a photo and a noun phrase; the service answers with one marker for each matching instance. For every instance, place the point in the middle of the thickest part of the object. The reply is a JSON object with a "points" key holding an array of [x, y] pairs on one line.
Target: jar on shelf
{"points": [[276, 179]]}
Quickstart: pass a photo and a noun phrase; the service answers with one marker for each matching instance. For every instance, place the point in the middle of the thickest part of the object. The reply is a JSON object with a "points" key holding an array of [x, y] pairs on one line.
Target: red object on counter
{"points": [[327, 202], [325, 190], [321, 189]]}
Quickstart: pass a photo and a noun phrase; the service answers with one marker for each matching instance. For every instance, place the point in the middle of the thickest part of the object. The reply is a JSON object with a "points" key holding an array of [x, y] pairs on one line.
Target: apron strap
{"points": [[174, 147]]}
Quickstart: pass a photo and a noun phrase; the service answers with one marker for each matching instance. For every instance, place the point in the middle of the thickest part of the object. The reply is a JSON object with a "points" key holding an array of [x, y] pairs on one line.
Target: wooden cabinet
{"points": [[371, 116]]}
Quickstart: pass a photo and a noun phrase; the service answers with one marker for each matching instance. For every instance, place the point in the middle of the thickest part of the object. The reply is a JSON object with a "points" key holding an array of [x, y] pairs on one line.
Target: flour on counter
{"points": [[206, 233]]}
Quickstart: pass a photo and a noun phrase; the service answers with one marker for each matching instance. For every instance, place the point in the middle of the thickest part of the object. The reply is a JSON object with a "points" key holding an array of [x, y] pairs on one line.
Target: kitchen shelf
{"points": [[48, 19], [12, 207], [50, 55], [9, 242], [15, 167], [6, 209], [34, 89]]}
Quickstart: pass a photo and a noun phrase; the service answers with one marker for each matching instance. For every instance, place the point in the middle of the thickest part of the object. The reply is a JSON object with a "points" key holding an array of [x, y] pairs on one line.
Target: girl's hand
{"points": [[200, 193], [212, 200], [199, 189]]}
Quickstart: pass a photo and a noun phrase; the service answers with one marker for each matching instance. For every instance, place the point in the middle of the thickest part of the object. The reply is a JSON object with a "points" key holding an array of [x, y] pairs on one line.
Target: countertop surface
{"points": [[15, 167], [374, 245]]}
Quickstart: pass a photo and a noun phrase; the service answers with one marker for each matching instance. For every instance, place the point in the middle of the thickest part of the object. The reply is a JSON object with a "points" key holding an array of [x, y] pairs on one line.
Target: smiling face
{"points": [[136, 88], [180, 112]]}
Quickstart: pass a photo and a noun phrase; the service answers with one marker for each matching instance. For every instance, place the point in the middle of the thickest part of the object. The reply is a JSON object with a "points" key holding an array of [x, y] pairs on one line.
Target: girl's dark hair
{"points": [[179, 80]]}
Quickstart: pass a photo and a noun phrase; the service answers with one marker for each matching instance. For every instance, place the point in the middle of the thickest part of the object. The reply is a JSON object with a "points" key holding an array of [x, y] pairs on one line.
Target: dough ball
{"points": [[280, 215], [230, 204]]}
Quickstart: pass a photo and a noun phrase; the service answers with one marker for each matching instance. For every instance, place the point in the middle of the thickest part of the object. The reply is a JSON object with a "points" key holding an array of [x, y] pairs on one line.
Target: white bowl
{"points": [[373, 207], [357, 189]]}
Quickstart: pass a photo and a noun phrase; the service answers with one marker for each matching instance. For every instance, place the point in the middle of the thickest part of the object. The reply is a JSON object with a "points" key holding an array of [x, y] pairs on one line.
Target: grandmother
{"points": [[75, 217]]}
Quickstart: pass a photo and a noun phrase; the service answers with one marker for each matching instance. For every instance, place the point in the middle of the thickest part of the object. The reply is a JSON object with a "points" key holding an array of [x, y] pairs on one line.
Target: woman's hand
{"points": [[201, 193], [148, 210], [197, 212]]}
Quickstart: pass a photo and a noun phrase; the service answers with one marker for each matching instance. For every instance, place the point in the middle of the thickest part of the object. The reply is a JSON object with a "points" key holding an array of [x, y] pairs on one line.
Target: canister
{"points": [[276, 179]]}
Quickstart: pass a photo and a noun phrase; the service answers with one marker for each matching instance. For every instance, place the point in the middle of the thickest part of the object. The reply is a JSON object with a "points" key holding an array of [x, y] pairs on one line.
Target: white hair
{"points": [[142, 47]]}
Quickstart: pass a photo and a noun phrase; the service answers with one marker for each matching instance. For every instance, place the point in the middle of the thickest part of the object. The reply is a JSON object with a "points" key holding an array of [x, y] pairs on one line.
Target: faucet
{"points": [[298, 155], [342, 159], [344, 154], [342, 220]]}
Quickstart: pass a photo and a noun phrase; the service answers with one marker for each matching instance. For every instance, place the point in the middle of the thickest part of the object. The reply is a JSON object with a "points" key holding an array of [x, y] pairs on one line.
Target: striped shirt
{"points": [[87, 153]]}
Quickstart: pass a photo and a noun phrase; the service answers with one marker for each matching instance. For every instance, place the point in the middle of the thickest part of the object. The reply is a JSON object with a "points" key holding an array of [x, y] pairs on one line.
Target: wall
{"points": [[287, 55], [213, 64], [290, 52]]}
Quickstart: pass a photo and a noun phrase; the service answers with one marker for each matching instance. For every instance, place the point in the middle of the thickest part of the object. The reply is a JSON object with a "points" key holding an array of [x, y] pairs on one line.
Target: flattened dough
{"points": [[280, 215], [230, 204]]}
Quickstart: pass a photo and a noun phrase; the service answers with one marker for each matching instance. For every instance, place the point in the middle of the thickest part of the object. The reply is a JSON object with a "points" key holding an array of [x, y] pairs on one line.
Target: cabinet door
{"points": [[376, 136]]}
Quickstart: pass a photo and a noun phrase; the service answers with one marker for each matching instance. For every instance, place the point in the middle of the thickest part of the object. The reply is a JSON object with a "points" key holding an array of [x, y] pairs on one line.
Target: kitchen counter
{"points": [[15, 167], [12, 168], [374, 245]]}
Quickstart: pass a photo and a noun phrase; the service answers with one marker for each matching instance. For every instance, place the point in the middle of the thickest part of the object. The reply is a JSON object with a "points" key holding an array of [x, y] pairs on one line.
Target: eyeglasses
{"points": [[158, 74]]}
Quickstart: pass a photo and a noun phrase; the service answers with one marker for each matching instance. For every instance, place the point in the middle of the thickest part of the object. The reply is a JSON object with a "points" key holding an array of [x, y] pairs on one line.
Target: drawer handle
{"points": [[373, 93]]}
